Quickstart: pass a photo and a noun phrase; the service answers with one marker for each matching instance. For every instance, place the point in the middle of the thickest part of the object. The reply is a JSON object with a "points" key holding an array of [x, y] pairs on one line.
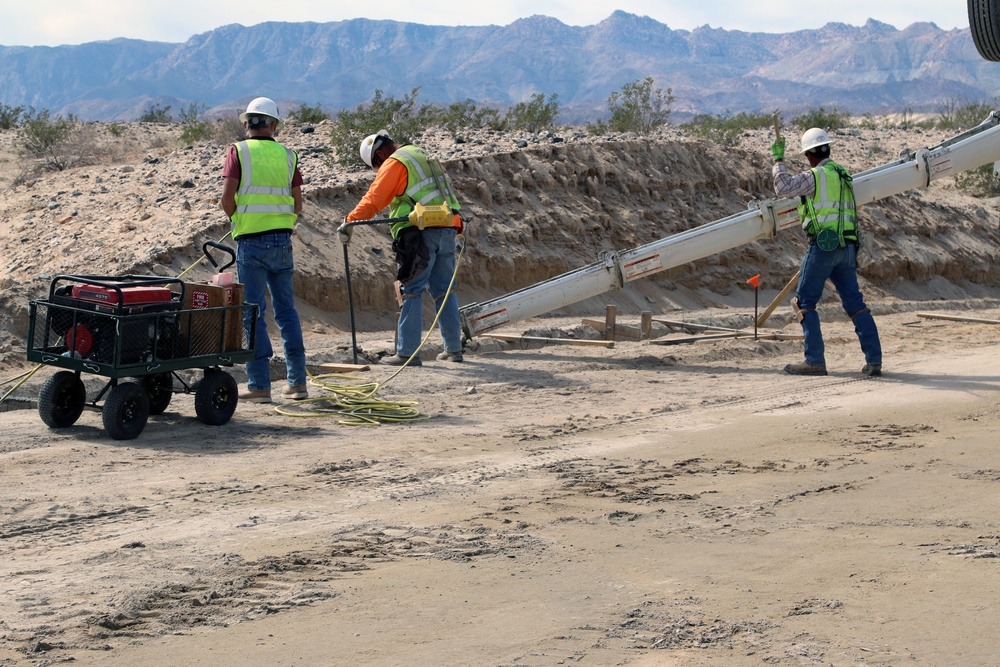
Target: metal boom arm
{"points": [[969, 150]]}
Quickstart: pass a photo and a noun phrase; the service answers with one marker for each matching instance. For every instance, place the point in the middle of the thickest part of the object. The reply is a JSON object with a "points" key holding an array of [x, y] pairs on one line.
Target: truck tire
{"points": [[984, 23]]}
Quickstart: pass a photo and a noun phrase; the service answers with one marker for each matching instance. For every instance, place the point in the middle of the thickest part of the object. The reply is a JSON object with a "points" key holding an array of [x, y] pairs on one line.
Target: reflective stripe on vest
{"points": [[264, 200], [832, 207], [421, 187]]}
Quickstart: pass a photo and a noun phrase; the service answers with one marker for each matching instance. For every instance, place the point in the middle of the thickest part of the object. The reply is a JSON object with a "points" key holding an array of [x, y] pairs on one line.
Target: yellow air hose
{"points": [[355, 401]]}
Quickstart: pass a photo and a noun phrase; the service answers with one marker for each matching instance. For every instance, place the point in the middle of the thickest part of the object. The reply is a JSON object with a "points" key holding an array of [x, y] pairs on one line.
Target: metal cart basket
{"points": [[139, 328]]}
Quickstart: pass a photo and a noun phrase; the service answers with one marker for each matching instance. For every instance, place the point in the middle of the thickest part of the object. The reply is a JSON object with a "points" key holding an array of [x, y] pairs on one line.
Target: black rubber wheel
{"points": [[61, 400], [159, 389], [125, 411], [984, 23], [216, 397]]}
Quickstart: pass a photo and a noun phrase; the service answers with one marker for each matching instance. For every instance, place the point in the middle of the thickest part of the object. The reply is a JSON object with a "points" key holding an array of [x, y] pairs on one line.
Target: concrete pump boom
{"points": [[969, 150]]}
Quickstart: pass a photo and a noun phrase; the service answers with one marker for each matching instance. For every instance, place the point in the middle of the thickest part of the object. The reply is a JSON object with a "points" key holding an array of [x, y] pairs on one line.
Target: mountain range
{"points": [[875, 68]]}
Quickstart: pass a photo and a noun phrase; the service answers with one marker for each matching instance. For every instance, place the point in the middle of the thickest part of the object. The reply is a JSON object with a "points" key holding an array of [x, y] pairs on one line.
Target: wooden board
{"points": [[785, 291], [693, 327], [341, 368], [935, 316], [724, 336], [513, 338]]}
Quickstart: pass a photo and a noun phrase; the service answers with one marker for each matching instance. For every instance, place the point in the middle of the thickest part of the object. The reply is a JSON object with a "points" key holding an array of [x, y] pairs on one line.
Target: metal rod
{"points": [[350, 306]]}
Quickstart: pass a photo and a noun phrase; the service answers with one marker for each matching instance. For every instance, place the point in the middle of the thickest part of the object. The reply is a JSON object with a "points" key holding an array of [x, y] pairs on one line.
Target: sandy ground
{"points": [[641, 505]]}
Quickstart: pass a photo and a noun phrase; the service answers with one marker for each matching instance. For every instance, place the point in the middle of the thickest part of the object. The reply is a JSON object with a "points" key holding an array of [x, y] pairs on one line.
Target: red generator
{"points": [[87, 317]]}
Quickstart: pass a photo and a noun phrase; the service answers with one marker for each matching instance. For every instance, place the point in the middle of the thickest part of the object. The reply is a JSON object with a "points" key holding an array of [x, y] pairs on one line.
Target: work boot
{"points": [[399, 360], [805, 368], [255, 395], [450, 356], [295, 392], [872, 370]]}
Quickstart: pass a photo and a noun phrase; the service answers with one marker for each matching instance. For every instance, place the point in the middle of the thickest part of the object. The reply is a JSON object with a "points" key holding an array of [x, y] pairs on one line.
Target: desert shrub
{"points": [[198, 131], [832, 119], [868, 122], [468, 115], [727, 130], [597, 127], [308, 114], [9, 116], [229, 130], [195, 128], [191, 114], [638, 107], [402, 118], [981, 182], [961, 114], [156, 113], [533, 115], [45, 140]]}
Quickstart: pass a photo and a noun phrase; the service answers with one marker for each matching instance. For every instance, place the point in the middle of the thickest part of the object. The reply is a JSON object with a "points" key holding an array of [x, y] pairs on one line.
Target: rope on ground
{"points": [[357, 403]]}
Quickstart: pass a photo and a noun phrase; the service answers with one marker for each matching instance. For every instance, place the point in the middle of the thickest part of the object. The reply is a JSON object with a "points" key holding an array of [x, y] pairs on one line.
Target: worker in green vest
{"points": [[425, 259], [829, 218], [262, 195]]}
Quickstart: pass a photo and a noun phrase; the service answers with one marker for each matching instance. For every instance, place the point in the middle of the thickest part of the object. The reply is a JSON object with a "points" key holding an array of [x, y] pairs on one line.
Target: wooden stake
{"points": [[785, 291], [645, 325], [610, 315]]}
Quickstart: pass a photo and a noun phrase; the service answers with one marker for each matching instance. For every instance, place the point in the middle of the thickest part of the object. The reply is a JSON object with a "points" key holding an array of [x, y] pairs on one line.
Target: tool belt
{"points": [[411, 254], [827, 239]]}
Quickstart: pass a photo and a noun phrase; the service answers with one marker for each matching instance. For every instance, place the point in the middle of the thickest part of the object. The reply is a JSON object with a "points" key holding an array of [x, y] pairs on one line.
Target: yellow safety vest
{"points": [[422, 186], [831, 211], [264, 199]]}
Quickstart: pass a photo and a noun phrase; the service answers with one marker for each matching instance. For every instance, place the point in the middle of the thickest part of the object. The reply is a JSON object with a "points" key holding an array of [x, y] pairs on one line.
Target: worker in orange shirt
{"points": [[425, 259]]}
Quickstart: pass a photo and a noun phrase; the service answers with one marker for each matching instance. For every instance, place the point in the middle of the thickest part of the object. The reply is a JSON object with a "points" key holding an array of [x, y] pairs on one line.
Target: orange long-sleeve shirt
{"points": [[390, 182]]}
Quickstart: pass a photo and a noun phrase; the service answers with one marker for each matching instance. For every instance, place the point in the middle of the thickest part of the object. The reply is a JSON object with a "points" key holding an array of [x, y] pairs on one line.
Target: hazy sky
{"points": [[54, 22]]}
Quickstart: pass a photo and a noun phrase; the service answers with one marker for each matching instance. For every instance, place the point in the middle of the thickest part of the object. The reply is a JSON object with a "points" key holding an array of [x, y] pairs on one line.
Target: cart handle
{"points": [[215, 244]]}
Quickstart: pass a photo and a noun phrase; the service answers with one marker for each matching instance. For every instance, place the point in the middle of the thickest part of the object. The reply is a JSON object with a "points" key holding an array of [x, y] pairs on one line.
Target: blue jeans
{"points": [[440, 242], [840, 266], [265, 263]]}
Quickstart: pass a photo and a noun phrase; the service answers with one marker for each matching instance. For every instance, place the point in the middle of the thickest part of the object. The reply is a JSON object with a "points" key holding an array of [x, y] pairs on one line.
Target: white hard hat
{"points": [[372, 143], [261, 106], [814, 137]]}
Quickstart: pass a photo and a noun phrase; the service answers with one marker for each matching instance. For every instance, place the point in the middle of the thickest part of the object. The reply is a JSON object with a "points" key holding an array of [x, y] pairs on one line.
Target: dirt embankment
{"points": [[535, 212]]}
